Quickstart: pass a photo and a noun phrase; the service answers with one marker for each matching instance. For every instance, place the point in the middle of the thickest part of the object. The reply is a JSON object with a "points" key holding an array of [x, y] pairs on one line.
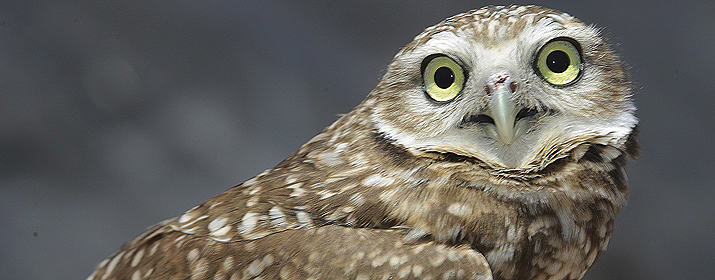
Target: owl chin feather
{"points": [[544, 143]]}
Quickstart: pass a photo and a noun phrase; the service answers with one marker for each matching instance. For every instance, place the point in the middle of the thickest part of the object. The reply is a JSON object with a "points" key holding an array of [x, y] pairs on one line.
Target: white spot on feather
{"points": [[378, 180], [192, 255], [199, 269], [417, 270], [415, 234], [277, 217], [189, 230], [341, 147], [103, 263], [379, 260], [404, 272], [112, 264], [252, 201], [304, 219], [184, 227], [217, 223], [397, 261], [227, 264], [137, 257], [186, 217], [221, 232], [297, 191], [254, 190], [153, 249], [459, 209], [248, 223], [325, 194], [257, 266], [250, 182], [437, 259], [254, 268], [330, 159]]}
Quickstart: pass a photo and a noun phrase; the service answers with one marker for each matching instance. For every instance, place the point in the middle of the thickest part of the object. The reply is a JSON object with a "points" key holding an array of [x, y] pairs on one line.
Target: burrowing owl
{"points": [[493, 148]]}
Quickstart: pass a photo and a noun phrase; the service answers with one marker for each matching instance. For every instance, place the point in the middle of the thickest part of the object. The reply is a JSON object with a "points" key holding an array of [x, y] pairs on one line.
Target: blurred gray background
{"points": [[115, 115]]}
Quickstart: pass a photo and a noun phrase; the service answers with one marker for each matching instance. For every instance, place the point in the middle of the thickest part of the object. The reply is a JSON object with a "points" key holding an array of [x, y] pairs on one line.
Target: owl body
{"points": [[467, 161]]}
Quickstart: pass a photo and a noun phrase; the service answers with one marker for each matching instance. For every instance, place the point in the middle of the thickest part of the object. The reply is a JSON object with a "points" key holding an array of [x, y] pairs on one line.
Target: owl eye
{"points": [[559, 61], [443, 78]]}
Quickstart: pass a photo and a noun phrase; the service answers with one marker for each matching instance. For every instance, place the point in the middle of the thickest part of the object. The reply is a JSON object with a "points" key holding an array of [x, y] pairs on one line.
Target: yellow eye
{"points": [[559, 62], [443, 78]]}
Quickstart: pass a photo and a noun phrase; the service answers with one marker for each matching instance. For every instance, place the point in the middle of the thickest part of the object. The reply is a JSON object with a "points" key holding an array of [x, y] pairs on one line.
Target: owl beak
{"points": [[504, 111]]}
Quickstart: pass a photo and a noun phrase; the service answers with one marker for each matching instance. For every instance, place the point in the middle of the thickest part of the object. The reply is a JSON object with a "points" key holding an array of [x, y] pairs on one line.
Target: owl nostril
{"points": [[496, 81]]}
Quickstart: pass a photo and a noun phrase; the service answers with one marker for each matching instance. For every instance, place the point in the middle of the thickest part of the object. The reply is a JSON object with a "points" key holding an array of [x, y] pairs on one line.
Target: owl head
{"points": [[513, 87]]}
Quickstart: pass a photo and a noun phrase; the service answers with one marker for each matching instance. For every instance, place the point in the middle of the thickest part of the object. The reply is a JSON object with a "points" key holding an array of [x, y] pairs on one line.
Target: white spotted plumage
{"points": [[514, 176]]}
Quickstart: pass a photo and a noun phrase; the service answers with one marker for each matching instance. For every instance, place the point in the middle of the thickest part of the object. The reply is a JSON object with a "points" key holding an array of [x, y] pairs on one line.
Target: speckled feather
{"points": [[359, 202]]}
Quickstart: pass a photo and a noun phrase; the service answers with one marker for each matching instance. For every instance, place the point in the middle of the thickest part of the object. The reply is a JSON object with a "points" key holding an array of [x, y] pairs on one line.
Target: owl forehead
{"points": [[496, 27]]}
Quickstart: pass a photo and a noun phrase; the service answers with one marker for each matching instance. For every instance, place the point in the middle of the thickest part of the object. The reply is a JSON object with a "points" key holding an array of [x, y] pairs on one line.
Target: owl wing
{"points": [[327, 252]]}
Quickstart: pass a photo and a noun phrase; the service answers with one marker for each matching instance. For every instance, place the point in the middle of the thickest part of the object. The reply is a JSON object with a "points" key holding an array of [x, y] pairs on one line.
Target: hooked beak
{"points": [[504, 111], [505, 119]]}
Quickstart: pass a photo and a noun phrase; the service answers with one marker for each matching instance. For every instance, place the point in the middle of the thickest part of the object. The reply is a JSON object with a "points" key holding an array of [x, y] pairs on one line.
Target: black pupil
{"points": [[443, 77], [558, 61]]}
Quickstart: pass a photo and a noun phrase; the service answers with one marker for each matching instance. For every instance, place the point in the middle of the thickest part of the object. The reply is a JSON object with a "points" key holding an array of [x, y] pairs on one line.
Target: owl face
{"points": [[515, 88]]}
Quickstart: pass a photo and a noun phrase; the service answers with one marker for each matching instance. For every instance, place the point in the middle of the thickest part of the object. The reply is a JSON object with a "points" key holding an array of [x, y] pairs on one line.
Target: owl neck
{"points": [[561, 214]]}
